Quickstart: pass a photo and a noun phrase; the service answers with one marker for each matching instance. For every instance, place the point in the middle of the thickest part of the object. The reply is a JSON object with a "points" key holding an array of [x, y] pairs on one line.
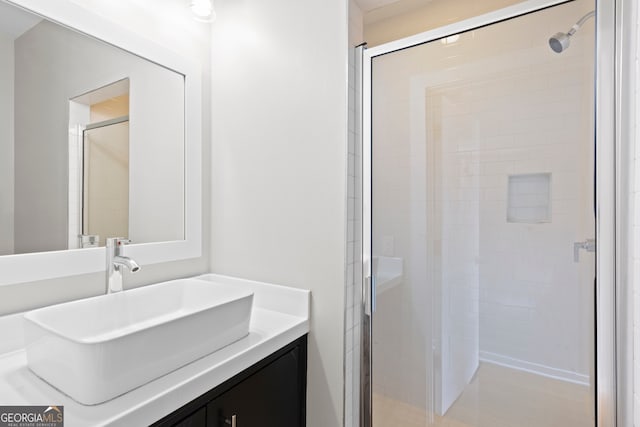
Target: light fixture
{"points": [[203, 9]]}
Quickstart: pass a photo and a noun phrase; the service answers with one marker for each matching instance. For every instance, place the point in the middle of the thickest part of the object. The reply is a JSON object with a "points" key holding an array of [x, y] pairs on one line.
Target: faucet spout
{"points": [[123, 261], [116, 261]]}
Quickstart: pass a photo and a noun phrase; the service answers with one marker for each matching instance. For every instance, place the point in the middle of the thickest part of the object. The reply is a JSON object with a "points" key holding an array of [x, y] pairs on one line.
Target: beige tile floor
{"points": [[499, 397]]}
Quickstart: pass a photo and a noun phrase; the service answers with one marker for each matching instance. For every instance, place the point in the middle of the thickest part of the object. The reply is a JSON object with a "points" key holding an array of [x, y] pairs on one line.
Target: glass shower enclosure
{"points": [[479, 231]]}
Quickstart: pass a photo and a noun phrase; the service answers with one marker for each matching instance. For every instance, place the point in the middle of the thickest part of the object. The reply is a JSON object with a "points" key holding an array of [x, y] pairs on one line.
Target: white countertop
{"points": [[279, 316]]}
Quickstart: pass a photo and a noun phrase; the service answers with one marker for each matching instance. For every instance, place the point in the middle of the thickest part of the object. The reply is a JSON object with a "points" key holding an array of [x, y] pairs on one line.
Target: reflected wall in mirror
{"points": [[72, 162]]}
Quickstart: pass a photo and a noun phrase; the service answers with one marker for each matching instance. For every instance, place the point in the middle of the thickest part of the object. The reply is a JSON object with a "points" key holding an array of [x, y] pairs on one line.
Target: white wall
{"points": [[168, 23], [629, 254], [401, 327], [454, 197], [632, 103], [54, 65], [280, 165], [6, 144], [171, 25], [635, 275]]}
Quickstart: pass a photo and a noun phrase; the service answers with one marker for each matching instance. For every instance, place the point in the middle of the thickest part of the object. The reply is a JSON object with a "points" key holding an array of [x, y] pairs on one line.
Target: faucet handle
{"points": [[116, 242]]}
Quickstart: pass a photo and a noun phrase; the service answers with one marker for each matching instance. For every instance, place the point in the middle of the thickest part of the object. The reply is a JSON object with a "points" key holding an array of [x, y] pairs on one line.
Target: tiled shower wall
{"points": [[354, 238]]}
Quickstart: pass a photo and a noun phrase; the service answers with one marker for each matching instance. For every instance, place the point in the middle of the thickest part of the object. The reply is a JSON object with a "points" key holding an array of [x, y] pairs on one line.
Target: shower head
{"points": [[559, 42]]}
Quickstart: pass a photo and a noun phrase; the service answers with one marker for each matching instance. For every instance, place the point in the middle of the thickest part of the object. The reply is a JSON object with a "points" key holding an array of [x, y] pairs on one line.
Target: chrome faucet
{"points": [[115, 262]]}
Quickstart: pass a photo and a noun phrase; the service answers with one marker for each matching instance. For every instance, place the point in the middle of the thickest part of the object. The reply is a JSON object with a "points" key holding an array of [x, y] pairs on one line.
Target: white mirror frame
{"points": [[47, 265]]}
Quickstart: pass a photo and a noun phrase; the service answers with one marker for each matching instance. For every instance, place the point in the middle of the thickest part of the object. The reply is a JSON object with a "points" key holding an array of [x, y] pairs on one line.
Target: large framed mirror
{"points": [[100, 136]]}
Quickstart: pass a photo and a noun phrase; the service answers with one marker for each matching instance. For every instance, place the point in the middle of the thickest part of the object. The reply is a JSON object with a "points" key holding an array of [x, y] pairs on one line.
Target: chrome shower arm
{"points": [[581, 22]]}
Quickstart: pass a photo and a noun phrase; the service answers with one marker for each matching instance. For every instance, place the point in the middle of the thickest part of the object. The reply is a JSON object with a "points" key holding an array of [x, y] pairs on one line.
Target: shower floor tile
{"points": [[499, 397]]}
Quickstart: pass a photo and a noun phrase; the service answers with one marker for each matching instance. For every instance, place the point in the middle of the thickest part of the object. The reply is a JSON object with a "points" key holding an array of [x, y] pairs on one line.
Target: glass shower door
{"points": [[482, 215], [105, 183]]}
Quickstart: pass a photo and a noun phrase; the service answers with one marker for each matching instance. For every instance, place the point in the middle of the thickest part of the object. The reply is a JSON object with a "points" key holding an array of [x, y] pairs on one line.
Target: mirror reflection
{"points": [[91, 141], [101, 121]]}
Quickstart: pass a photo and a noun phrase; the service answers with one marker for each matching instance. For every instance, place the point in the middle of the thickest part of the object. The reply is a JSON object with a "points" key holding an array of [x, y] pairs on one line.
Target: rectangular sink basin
{"points": [[98, 348]]}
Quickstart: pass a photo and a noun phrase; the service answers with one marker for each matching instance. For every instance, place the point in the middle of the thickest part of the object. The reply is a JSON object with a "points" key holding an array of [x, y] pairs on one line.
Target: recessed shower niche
{"points": [[99, 165], [529, 198]]}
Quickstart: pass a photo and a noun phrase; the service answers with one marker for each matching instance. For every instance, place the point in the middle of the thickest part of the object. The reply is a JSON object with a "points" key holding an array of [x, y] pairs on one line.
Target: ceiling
{"points": [[379, 10], [367, 5]]}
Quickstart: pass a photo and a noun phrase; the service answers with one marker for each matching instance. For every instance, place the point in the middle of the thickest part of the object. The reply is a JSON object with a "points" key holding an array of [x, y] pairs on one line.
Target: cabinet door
{"points": [[272, 397], [197, 419]]}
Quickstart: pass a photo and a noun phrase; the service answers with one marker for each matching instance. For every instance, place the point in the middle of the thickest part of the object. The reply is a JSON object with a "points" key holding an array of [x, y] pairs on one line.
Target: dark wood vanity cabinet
{"points": [[197, 419], [271, 393]]}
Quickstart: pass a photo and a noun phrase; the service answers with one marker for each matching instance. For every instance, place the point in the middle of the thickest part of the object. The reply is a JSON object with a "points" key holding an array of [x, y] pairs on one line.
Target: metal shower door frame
{"points": [[608, 147]]}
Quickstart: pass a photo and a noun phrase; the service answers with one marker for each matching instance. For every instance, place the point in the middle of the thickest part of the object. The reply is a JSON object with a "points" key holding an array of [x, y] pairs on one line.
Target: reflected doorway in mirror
{"points": [[99, 165]]}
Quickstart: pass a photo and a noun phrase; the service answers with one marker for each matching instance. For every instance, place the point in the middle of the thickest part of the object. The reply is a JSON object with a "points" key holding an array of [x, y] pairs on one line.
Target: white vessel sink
{"points": [[98, 348]]}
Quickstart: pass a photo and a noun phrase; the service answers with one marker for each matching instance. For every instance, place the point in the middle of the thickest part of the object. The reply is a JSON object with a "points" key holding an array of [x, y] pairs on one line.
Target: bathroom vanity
{"points": [[258, 380], [270, 393]]}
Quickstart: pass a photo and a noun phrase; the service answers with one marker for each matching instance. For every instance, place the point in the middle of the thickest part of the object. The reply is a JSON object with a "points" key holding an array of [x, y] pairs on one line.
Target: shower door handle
{"points": [[588, 245], [369, 295]]}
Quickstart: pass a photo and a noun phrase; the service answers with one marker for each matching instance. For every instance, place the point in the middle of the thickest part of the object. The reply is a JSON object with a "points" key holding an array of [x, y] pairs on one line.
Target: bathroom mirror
{"points": [[99, 136], [79, 169]]}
